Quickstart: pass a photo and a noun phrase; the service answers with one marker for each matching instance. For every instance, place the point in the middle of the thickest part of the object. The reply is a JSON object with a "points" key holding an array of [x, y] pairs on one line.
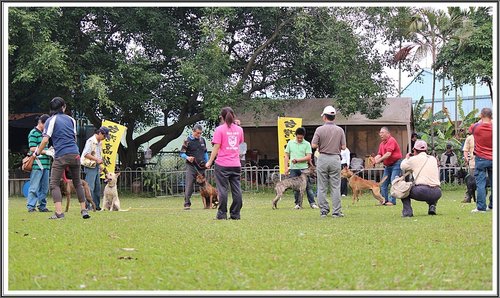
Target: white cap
{"points": [[328, 110]]}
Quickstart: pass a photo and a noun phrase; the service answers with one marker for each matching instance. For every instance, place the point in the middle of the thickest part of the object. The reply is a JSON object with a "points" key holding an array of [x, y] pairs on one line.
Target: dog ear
{"points": [[117, 174]]}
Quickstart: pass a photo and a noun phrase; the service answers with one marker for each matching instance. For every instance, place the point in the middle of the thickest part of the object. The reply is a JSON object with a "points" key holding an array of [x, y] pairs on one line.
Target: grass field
{"points": [[159, 246]]}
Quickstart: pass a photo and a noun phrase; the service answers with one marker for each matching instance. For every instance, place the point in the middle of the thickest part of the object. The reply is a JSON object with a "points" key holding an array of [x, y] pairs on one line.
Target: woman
{"points": [[427, 185], [226, 140], [92, 160], [61, 128]]}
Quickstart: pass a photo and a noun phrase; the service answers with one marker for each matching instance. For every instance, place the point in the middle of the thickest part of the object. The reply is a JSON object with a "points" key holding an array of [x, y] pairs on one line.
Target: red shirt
{"points": [[391, 145], [483, 140]]}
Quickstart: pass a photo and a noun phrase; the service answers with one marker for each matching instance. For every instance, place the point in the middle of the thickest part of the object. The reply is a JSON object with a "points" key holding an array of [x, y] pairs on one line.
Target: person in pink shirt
{"points": [[226, 141]]}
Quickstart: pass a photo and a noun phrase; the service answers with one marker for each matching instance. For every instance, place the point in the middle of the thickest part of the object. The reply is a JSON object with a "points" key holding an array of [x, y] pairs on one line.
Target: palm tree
{"points": [[429, 29]]}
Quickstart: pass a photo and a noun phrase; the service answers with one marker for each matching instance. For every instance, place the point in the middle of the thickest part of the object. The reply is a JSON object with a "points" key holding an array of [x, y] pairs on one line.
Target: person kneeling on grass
{"points": [[427, 186]]}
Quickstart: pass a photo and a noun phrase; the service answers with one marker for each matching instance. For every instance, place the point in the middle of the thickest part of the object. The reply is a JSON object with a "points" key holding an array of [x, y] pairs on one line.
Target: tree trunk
{"points": [[432, 108]]}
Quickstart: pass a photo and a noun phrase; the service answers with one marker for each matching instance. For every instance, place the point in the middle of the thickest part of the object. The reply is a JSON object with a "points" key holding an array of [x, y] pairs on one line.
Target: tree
{"points": [[468, 55], [135, 65], [429, 30]]}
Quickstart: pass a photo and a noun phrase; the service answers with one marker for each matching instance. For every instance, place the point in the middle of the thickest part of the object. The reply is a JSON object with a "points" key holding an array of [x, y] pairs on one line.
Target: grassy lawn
{"points": [[159, 246]]}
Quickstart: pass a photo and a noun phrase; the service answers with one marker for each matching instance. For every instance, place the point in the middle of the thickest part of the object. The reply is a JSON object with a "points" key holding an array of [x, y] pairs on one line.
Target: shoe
{"points": [[297, 207], [432, 210], [44, 210], [85, 214], [57, 216], [234, 218], [220, 218], [187, 207], [98, 209], [388, 203], [335, 215], [478, 211], [323, 215], [31, 210], [314, 206], [343, 195]]}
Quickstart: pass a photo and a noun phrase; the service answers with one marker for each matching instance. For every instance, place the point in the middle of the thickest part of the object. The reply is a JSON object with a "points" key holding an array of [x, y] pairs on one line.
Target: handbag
{"points": [[89, 163], [27, 165], [400, 188]]}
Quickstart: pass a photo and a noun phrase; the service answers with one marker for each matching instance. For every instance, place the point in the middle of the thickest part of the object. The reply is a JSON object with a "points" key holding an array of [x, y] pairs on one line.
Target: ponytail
{"points": [[227, 115]]}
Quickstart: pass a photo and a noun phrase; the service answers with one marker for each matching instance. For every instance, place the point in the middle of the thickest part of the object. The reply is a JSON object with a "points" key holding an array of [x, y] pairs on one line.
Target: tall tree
{"points": [[136, 65]]}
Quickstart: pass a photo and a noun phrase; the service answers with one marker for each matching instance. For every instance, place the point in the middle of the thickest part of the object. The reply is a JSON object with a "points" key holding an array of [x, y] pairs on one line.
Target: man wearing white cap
{"points": [[329, 140], [425, 171]]}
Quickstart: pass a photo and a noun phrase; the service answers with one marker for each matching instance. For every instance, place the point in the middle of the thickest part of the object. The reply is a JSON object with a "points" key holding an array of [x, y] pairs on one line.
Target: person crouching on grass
{"points": [[226, 141], [427, 187]]}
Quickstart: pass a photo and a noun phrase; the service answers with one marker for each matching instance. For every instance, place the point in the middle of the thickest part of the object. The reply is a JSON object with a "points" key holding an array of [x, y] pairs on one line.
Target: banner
{"points": [[110, 148], [286, 132]]}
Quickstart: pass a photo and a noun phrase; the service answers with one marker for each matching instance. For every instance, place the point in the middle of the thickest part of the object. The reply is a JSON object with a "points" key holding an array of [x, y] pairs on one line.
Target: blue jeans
{"points": [[309, 192], [39, 187], [391, 171], [94, 181], [484, 168]]}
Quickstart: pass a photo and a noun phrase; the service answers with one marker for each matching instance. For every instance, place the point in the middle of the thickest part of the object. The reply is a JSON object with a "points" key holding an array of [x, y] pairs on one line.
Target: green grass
{"points": [[372, 248]]}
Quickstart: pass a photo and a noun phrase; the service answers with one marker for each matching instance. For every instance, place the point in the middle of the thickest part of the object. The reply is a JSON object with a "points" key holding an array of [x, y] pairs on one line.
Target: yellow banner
{"points": [[110, 148], [286, 132]]}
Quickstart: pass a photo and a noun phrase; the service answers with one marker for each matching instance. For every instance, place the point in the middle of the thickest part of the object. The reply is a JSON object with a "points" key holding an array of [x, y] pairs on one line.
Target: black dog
{"points": [[470, 181]]}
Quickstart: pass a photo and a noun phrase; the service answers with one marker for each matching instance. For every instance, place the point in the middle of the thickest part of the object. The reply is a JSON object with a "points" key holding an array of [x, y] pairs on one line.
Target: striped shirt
{"points": [[34, 139]]}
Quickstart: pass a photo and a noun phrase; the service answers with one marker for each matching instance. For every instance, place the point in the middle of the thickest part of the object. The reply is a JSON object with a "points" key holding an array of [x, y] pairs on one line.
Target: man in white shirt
{"points": [[345, 156]]}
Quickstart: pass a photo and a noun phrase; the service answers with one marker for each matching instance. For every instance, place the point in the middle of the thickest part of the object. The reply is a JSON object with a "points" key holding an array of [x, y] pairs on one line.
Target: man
{"points": [[93, 152], [194, 151], [345, 156], [414, 137], [448, 161], [329, 140], [483, 150], [389, 152], [243, 152], [297, 156], [469, 159], [61, 128], [427, 186], [39, 177]]}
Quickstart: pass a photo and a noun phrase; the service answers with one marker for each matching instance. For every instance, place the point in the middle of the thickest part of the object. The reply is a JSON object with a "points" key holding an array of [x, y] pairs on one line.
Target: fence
{"points": [[158, 182]]}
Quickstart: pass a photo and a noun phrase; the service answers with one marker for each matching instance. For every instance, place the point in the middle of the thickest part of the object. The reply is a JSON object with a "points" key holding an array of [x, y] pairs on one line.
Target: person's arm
{"points": [[215, 150], [45, 141], [287, 162]]}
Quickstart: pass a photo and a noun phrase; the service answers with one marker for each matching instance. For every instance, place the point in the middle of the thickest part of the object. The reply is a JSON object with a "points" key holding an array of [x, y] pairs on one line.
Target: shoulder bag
{"points": [[89, 163], [27, 165]]}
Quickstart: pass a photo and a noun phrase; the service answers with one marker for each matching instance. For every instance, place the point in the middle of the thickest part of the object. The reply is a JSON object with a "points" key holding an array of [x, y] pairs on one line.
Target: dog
{"points": [[111, 200], [209, 194], [298, 183], [470, 182], [358, 184], [67, 188]]}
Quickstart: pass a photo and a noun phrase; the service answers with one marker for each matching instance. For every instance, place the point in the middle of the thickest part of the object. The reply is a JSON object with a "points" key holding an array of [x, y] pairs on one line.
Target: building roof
{"points": [[398, 111]]}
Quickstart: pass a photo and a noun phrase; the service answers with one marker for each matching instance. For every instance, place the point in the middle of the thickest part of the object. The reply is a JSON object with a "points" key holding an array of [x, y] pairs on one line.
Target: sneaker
{"points": [[31, 210], [314, 206], [98, 209], [343, 195], [323, 215], [335, 215], [478, 211], [57, 216], [187, 207], [388, 203], [297, 207], [44, 210], [85, 214], [432, 210]]}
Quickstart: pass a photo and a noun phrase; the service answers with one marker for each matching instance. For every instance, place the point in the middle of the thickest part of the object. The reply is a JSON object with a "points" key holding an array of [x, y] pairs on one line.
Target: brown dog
{"points": [[298, 183], [358, 184], [67, 188], [209, 194]]}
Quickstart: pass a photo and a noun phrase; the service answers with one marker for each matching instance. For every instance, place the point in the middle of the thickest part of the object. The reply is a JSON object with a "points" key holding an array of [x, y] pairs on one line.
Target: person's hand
{"points": [[372, 159], [237, 122], [408, 155], [287, 171], [208, 164], [190, 159], [99, 161], [294, 161]]}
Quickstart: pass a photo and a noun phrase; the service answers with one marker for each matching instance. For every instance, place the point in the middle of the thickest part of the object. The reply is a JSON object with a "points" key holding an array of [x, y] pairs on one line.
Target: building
{"points": [[261, 133], [477, 97]]}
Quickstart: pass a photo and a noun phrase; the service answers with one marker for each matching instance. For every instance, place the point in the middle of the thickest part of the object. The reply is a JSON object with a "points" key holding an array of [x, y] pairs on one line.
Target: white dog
{"points": [[111, 200]]}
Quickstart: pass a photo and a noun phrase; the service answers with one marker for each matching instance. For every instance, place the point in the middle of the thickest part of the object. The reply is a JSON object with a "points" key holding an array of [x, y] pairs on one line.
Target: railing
{"points": [[158, 182]]}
